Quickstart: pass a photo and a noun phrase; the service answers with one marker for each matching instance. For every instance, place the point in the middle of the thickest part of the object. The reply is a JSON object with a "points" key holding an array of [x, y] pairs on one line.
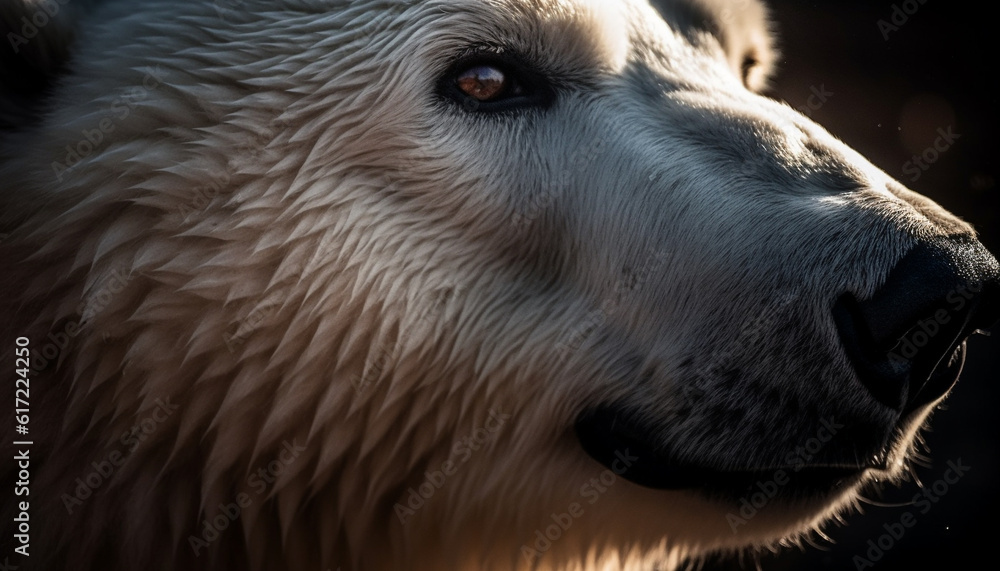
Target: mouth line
{"points": [[941, 380], [784, 484], [607, 435]]}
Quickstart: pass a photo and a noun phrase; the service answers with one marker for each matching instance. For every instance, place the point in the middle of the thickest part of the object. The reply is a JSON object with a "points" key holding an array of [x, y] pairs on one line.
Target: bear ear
{"points": [[741, 27], [36, 36]]}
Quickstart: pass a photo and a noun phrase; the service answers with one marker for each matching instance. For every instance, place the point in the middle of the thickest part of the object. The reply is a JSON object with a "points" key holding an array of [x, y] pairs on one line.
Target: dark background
{"points": [[889, 98]]}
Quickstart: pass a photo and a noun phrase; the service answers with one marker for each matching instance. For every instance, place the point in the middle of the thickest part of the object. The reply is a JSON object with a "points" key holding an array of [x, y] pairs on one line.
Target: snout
{"points": [[906, 344], [907, 341]]}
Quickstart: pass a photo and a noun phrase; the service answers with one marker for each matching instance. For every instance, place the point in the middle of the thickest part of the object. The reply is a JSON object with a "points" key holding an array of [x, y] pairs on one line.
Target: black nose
{"points": [[907, 342]]}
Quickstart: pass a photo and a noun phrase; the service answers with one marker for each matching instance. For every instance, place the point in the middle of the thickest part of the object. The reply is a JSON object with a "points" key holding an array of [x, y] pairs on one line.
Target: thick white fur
{"points": [[296, 209]]}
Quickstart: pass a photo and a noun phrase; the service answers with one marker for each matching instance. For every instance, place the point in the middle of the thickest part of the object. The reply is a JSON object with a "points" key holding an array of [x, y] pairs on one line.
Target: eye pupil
{"points": [[482, 82]]}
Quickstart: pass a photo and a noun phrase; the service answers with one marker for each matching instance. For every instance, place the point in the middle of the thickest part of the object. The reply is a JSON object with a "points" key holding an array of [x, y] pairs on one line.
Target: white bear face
{"points": [[494, 265]]}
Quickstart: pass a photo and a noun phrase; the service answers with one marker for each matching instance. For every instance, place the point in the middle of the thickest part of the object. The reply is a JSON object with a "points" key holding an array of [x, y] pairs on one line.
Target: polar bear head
{"points": [[485, 284]]}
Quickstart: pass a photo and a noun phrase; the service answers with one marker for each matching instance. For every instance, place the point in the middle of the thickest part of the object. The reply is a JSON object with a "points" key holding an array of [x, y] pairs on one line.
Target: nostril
{"points": [[943, 275], [906, 340]]}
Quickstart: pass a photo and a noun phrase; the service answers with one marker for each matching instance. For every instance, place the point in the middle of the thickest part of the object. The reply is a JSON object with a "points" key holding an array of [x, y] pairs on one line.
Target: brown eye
{"points": [[484, 82], [495, 82]]}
